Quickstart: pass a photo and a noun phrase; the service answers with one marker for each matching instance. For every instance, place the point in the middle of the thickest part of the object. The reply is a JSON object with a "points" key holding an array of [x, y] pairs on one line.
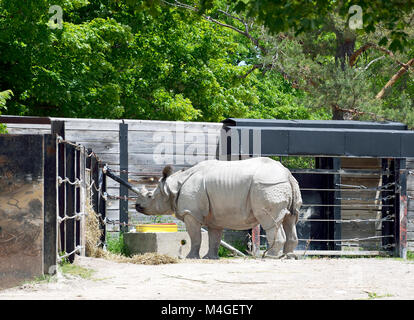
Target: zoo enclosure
{"points": [[345, 154], [104, 137], [45, 181]]}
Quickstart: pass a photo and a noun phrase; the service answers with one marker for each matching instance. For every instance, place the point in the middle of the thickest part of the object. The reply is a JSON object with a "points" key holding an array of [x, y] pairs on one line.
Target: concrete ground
{"points": [[235, 278]]}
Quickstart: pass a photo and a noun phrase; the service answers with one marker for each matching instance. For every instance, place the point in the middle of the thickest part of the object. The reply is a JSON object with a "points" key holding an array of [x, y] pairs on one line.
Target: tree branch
{"points": [[394, 78], [360, 113], [208, 18], [368, 45]]}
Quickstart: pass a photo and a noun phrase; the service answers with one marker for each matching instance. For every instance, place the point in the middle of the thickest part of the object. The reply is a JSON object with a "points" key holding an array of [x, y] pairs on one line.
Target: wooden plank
{"points": [[155, 125], [140, 125], [171, 137], [70, 202], [27, 131], [410, 183], [410, 163], [50, 205], [361, 229], [101, 147], [29, 126], [156, 161], [92, 124], [360, 163], [172, 148], [92, 135], [360, 214]]}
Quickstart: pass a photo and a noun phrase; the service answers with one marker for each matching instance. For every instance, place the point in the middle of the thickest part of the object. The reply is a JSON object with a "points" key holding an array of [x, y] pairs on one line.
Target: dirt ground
{"points": [[232, 279]]}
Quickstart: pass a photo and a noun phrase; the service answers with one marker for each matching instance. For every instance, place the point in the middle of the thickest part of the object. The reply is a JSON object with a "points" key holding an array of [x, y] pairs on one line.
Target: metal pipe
{"points": [[108, 172]]}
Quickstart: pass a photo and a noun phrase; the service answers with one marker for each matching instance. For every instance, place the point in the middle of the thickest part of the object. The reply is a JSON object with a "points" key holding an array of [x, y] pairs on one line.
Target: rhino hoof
{"points": [[211, 257], [291, 255]]}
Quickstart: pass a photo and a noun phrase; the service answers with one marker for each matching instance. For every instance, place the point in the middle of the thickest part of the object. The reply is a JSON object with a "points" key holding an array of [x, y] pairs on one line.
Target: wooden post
{"points": [[70, 202], [58, 129], [123, 161], [77, 197], [50, 205], [95, 181], [82, 200], [401, 222], [102, 202]]}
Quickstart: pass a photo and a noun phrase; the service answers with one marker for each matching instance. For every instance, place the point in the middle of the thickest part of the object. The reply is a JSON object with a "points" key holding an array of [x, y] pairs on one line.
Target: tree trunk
{"points": [[345, 46]]}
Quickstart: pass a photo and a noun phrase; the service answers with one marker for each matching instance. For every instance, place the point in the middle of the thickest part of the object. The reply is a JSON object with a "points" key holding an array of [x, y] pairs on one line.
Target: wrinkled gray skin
{"points": [[234, 195]]}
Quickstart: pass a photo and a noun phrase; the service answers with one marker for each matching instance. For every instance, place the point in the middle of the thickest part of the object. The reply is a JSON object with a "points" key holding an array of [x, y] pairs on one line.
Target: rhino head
{"points": [[158, 201]]}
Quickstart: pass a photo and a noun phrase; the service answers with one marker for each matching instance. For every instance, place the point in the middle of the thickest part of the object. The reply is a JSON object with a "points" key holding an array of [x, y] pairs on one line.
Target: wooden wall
{"points": [[145, 137], [181, 144], [365, 209]]}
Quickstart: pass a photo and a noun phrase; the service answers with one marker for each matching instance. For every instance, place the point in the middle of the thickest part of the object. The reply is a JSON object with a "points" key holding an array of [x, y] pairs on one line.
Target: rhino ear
{"points": [[167, 171], [170, 186]]}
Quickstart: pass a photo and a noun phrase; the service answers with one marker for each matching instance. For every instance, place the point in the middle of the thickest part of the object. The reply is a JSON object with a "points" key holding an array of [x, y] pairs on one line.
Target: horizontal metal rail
{"points": [[367, 199], [347, 189], [388, 218], [346, 240], [359, 205], [353, 172]]}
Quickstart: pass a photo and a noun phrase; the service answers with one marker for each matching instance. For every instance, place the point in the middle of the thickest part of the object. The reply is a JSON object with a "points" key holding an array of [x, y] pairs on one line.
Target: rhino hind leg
{"points": [[276, 240], [194, 231], [289, 225], [271, 221], [214, 239]]}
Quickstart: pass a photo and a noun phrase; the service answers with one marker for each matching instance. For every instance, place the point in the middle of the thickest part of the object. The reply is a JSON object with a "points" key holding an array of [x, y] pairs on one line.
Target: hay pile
{"points": [[93, 235]]}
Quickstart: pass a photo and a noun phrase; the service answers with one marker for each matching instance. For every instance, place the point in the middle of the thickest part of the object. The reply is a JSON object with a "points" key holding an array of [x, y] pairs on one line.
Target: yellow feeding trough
{"points": [[158, 227]]}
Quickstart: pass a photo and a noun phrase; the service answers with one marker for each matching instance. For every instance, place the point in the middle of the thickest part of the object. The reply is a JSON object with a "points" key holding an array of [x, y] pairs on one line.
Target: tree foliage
{"points": [[123, 59], [208, 60]]}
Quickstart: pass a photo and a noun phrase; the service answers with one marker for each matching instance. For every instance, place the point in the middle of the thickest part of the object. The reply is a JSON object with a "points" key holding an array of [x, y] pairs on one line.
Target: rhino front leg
{"points": [[214, 239], [194, 231]]}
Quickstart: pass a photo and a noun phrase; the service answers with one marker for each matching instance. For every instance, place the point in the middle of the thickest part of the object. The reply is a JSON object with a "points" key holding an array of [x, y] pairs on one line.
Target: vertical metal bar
{"points": [[95, 182], [336, 165], [77, 197], [123, 161], [401, 210], [50, 237], [58, 129], [327, 198], [386, 226], [82, 201], [102, 202], [70, 201]]}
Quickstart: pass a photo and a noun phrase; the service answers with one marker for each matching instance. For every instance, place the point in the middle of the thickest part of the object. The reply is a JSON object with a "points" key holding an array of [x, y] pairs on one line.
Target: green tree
{"points": [[121, 59], [4, 96], [336, 69]]}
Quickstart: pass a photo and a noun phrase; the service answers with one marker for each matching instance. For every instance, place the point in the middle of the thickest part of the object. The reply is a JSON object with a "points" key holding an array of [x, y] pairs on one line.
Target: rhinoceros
{"points": [[235, 195]]}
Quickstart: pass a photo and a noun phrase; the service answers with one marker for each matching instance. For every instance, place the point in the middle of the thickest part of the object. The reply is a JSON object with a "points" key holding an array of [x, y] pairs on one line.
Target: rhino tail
{"points": [[296, 196]]}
